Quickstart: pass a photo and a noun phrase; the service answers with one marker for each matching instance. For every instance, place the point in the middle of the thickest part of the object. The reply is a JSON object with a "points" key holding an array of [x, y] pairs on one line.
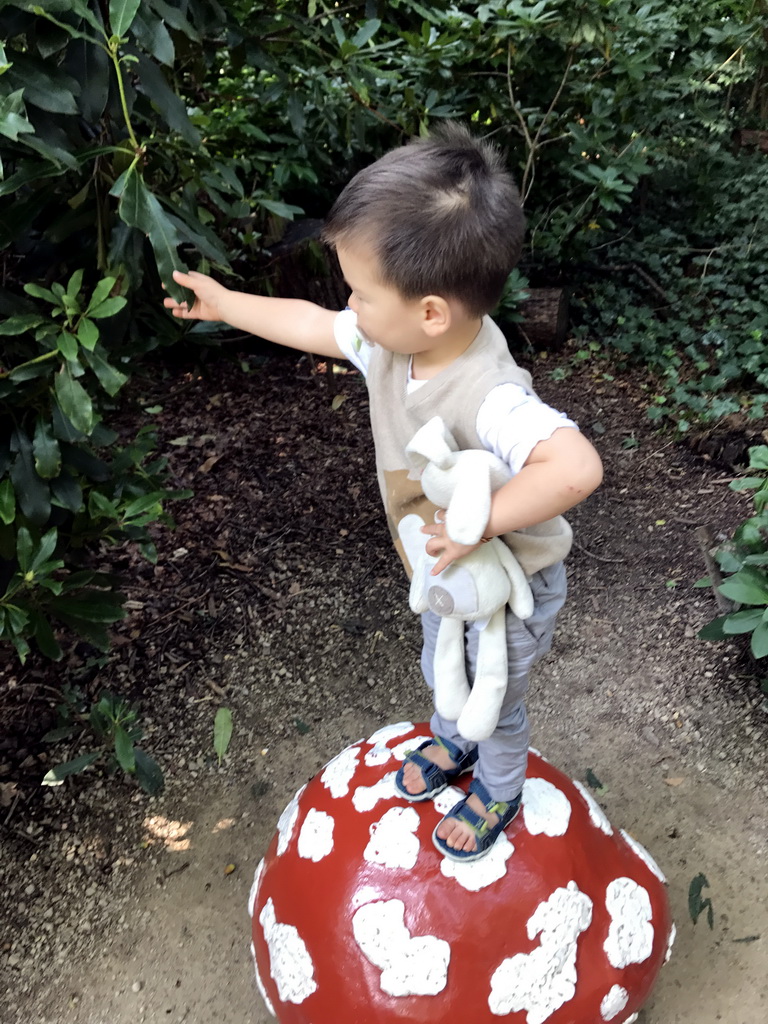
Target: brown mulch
{"points": [[281, 465]]}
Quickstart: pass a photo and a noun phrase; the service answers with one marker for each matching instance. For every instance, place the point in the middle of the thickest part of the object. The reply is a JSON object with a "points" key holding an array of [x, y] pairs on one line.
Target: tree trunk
{"points": [[545, 318]]}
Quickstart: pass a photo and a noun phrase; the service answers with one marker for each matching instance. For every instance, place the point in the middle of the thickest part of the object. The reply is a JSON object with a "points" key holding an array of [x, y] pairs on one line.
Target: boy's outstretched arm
{"points": [[558, 474], [291, 322]]}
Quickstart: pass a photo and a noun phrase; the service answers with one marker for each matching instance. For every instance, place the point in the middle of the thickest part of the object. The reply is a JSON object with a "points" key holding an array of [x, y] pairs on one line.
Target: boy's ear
{"points": [[436, 315]]}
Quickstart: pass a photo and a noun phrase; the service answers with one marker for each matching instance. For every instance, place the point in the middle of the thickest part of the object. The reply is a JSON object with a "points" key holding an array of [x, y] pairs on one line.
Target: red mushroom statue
{"points": [[358, 919]]}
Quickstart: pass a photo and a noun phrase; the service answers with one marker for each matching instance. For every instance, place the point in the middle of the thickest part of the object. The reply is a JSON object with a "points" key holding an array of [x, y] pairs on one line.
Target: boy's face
{"points": [[383, 315]]}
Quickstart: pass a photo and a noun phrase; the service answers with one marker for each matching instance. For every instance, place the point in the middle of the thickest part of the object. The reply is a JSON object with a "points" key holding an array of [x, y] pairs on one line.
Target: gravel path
{"points": [[120, 908]]}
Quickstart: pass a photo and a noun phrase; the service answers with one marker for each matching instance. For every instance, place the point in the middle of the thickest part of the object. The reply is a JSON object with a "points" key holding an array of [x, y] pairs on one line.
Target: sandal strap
{"points": [[479, 825], [432, 773], [455, 753]]}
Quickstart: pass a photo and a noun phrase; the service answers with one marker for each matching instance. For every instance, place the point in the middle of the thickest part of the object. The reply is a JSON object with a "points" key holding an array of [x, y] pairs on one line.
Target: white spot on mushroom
{"points": [[316, 836], [448, 799], [538, 753], [365, 798], [255, 887], [402, 750], [365, 894], [290, 964], [392, 841], [614, 1002], [380, 753], [286, 823], [478, 874], [596, 812], [644, 856], [409, 965], [543, 980], [260, 983], [545, 808], [339, 772], [670, 943], [632, 1019], [630, 936]]}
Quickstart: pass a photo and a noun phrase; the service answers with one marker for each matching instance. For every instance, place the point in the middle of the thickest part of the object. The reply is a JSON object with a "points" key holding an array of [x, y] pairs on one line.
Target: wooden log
{"points": [[749, 138], [301, 267], [545, 318]]}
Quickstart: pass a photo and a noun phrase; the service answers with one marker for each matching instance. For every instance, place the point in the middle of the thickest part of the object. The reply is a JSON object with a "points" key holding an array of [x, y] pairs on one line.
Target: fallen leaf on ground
{"points": [[207, 466], [8, 792]]}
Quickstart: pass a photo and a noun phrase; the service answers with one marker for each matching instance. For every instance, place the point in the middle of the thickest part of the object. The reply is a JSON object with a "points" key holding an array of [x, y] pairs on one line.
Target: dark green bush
{"points": [[135, 136]]}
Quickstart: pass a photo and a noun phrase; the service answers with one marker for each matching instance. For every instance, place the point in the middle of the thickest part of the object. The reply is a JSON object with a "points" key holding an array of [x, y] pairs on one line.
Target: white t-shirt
{"points": [[510, 422]]}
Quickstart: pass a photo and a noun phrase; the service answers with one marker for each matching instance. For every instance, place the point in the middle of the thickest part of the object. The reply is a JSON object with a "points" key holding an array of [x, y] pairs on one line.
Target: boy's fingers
{"points": [[185, 280]]}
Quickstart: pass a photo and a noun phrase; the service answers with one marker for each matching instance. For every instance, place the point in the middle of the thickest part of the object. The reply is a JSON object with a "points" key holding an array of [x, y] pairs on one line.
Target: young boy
{"points": [[426, 238]]}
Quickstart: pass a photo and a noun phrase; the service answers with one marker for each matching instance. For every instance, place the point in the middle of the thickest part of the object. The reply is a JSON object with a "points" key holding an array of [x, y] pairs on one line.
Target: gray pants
{"points": [[502, 758]]}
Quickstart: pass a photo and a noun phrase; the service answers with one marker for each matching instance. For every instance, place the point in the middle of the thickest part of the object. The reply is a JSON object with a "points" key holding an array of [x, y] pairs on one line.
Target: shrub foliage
{"points": [[139, 137]]}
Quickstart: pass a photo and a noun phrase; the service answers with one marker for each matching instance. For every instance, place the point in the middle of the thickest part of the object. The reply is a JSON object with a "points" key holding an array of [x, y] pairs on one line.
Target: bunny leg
{"points": [[450, 672], [480, 715]]}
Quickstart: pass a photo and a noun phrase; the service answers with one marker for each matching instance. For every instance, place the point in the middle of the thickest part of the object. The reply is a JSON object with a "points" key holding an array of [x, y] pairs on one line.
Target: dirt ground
{"points": [[278, 596]]}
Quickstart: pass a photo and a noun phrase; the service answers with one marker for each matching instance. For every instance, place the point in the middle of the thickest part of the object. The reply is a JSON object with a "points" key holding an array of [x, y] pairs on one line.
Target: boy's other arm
{"points": [[558, 474], [291, 322]]}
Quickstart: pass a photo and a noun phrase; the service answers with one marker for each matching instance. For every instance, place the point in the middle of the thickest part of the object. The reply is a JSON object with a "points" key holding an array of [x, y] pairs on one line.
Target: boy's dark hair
{"points": [[442, 214]]}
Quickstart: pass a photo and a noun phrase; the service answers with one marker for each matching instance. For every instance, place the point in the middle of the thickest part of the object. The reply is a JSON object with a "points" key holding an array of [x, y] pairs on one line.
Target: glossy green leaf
{"points": [[56, 775], [24, 548], [140, 209], [33, 495], [50, 89], [142, 504], [38, 292], [67, 345], [121, 15], [153, 37], [67, 493], [20, 324], [74, 401], [13, 121], [742, 622], [174, 17], [222, 732], [46, 451], [101, 292], [45, 549], [748, 586], [759, 642], [124, 749], [75, 283], [366, 31], [107, 308], [170, 106], [93, 632], [45, 637], [87, 334], [148, 772], [92, 606], [110, 378], [714, 630], [7, 502], [92, 66]]}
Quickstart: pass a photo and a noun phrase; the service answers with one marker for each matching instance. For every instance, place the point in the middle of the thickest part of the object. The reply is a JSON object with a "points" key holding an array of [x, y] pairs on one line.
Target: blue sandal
{"points": [[485, 834], [436, 779]]}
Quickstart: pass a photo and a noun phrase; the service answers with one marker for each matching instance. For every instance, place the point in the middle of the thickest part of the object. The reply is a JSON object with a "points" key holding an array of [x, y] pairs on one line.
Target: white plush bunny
{"points": [[477, 588]]}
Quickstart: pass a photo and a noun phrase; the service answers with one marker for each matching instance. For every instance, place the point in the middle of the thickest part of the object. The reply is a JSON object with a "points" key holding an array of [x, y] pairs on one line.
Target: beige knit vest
{"points": [[456, 395]]}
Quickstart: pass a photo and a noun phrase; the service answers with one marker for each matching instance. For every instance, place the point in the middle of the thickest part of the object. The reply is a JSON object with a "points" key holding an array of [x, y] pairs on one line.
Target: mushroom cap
{"points": [[358, 919]]}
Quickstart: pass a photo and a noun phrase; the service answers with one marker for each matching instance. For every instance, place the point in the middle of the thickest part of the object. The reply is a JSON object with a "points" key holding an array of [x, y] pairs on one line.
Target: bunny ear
{"points": [[470, 506], [432, 443]]}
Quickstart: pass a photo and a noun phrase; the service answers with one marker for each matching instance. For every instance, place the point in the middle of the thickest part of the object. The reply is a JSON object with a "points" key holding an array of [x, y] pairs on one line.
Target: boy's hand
{"points": [[441, 546], [208, 297]]}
